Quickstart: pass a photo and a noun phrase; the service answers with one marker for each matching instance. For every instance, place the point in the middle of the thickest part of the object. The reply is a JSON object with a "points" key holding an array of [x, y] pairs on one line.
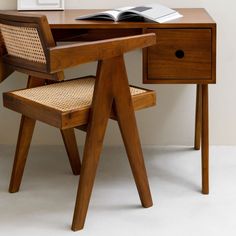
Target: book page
{"points": [[113, 13], [152, 12], [170, 17], [105, 15]]}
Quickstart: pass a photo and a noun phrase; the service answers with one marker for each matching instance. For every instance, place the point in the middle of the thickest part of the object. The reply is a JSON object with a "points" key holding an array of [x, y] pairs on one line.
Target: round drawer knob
{"points": [[179, 54]]}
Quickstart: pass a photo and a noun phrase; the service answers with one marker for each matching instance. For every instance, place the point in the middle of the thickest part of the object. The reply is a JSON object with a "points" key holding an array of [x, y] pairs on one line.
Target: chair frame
{"points": [[38, 75], [107, 100]]}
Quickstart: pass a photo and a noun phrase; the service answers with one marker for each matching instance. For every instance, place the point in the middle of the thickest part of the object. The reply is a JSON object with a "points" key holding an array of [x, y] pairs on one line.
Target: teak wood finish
{"points": [[68, 119], [198, 117], [38, 76], [180, 54], [185, 53], [106, 94], [111, 98], [195, 23], [5, 71], [23, 144]]}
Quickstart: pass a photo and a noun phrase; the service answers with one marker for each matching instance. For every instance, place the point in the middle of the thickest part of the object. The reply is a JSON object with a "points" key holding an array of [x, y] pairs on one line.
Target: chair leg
{"points": [[100, 112], [69, 139], [23, 143], [205, 141], [68, 135], [70, 143], [25, 135], [127, 123], [198, 117]]}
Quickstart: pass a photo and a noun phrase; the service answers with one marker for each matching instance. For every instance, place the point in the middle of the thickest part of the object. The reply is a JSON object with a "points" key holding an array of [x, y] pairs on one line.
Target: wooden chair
{"points": [[20, 46], [86, 103]]}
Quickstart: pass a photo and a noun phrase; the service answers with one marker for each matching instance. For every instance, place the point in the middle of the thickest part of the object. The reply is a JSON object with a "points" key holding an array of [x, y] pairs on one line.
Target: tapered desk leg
{"points": [[198, 117], [205, 141]]}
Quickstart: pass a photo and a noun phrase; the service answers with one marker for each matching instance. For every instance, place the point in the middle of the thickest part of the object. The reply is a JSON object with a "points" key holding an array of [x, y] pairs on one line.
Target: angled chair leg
{"points": [[69, 139], [198, 117], [127, 123], [100, 112], [23, 144]]}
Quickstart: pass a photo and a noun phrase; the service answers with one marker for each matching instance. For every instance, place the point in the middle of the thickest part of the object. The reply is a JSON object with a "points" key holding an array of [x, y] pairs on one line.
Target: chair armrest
{"points": [[62, 57]]}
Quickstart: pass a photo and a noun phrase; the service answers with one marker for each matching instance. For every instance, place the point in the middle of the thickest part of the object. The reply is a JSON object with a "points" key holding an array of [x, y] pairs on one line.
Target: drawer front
{"points": [[180, 54]]}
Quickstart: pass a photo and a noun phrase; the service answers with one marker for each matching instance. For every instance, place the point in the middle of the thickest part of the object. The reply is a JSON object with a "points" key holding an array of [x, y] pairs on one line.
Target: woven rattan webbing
{"points": [[66, 96], [23, 42]]}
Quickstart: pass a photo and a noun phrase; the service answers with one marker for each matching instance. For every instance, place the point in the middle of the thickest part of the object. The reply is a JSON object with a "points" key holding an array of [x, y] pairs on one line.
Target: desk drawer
{"points": [[183, 55]]}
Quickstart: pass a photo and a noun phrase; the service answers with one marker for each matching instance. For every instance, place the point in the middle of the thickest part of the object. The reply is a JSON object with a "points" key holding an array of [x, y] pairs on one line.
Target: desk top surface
{"points": [[192, 17]]}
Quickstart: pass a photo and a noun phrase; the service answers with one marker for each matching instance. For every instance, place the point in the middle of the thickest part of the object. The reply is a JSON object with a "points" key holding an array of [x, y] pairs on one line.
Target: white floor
{"points": [[44, 206]]}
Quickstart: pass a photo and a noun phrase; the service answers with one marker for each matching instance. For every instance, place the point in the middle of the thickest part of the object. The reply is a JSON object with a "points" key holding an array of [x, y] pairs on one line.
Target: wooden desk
{"points": [[184, 54]]}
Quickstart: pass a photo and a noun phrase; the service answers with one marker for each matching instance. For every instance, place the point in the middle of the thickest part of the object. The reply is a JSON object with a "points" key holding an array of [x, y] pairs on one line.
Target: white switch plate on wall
{"points": [[40, 5]]}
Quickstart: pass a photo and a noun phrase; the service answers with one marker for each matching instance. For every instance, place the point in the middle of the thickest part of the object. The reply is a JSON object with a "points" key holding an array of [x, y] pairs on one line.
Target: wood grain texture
{"points": [[75, 54], [198, 117], [23, 143], [24, 140], [5, 71], [111, 76], [66, 120], [214, 51], [70, 143], [63, 23], [30, 67], [180, 55], [105, 92], [194, 21], [127, 123], [205, 141], [82, 35], [193, 18], [22, 149], [99, 115]]}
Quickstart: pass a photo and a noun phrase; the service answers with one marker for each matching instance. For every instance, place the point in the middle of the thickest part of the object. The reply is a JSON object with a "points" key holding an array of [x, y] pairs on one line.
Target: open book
{"points": [[152, 12]]}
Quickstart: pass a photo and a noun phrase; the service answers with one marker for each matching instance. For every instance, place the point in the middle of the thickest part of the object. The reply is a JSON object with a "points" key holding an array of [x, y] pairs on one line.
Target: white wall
{"points": [[172, 121]]}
